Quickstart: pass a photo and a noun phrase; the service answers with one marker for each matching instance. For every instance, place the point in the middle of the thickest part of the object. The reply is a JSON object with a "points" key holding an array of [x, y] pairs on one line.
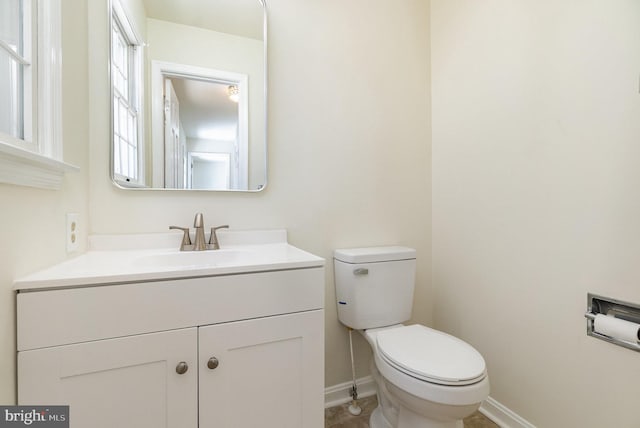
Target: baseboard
{"points": [[502, 415], [339, 394]]}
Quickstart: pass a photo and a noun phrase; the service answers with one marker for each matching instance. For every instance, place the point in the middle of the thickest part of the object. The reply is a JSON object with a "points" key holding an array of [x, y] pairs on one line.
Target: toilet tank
{"points": [[374, 286]]}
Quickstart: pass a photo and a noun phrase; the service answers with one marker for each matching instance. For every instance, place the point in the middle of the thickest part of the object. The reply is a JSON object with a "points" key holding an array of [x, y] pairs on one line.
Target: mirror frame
{"points": [[266, 114]]}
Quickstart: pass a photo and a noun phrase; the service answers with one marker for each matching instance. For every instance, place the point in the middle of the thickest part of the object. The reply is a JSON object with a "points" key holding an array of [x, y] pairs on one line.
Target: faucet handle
{"points": [[213, 238], [186, 239]]}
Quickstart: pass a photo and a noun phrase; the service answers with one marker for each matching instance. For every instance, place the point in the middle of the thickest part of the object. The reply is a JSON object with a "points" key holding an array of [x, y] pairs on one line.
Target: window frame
{"points": [[135, 54], [39, 162], [25, 84]]}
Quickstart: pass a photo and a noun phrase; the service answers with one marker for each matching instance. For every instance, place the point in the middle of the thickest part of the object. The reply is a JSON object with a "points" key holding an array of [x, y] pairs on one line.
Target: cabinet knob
{"points": [[182, 367], [213, 363]]}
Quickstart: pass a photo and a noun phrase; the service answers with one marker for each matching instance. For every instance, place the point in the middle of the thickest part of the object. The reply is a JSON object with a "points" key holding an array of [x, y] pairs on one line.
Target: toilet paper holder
{"points": [[626, 311]]}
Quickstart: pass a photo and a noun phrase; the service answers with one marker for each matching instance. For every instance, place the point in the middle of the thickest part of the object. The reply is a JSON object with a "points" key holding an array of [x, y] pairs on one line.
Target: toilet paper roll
{"points": [[617, 328]]}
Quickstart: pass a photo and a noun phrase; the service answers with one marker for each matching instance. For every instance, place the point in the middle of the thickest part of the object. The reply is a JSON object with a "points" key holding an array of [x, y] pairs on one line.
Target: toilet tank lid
{"points": [[374, 254]]}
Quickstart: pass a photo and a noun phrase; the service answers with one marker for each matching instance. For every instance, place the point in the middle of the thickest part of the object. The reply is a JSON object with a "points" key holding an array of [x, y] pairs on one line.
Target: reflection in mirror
{"points": [[188, 94], [197, 110]]}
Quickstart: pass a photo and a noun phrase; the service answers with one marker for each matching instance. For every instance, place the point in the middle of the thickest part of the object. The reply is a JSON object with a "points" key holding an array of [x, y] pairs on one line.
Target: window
{"points": [[30, 102], [15, 72], [126, 80]]}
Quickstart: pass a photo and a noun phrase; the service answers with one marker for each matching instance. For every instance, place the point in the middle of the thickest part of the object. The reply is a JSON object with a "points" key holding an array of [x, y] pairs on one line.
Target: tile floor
{"points": [[339, 416]]}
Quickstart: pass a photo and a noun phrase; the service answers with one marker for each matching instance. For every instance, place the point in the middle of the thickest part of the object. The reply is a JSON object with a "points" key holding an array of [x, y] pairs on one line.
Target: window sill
{"points": [[24, 168]]}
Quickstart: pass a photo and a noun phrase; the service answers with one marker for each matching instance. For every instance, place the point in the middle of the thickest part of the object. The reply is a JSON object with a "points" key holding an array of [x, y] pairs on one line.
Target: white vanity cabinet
{"points": [[228, 351]]}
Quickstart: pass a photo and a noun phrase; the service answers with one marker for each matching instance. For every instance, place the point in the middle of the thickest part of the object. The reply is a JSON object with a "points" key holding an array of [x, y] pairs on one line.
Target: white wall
{"points": [[536, 131], [136, 15], [33, 221], [349, 144]]}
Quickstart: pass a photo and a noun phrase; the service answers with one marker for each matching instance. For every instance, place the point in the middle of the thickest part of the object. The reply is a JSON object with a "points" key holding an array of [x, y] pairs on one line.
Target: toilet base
{"points": [[414, 412], [377, 419], [409, 419]]}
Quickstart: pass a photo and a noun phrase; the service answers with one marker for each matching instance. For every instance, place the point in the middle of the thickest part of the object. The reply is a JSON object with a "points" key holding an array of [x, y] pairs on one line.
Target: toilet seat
{"points": [[430, 355]]}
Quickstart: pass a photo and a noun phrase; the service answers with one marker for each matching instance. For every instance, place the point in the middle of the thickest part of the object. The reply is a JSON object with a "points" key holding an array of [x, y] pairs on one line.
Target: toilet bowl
{"points": [[425, 378], [422, 387]]}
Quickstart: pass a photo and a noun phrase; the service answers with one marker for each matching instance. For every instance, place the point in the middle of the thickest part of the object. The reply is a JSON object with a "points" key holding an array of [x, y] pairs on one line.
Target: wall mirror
{"points": [[188, 94]]}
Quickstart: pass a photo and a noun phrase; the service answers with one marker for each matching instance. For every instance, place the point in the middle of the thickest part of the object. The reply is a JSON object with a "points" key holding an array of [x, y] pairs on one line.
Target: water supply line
{"points": [[354, 409]]}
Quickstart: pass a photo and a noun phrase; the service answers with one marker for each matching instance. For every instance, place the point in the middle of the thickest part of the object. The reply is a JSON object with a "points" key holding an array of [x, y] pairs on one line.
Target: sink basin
{"points": [[191, 259]]}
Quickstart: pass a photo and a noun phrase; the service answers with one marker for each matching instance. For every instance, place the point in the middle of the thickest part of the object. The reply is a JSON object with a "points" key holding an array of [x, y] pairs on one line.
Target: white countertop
{"points": [[115, 259]]}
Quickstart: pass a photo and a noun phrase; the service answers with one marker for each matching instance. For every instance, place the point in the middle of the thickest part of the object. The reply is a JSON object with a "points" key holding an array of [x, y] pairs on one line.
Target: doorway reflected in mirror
{"points": [[196, 89]]}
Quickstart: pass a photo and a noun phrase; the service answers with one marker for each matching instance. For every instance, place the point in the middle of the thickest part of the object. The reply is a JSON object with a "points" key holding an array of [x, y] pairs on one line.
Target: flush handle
{"points": [[182, 367], [361, 271]]}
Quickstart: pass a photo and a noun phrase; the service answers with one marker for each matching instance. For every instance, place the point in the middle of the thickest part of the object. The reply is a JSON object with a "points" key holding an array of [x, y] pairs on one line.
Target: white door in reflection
{"points": [[174, 141], [209, 171]]}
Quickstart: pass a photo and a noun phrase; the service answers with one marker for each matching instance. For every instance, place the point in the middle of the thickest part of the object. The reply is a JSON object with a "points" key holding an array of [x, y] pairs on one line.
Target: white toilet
{"points": [[425, 378]]}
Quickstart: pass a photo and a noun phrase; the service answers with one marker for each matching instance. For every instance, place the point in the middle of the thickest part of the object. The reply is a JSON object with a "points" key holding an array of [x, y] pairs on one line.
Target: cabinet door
{"points": [[128, 382], [270, 372]]}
